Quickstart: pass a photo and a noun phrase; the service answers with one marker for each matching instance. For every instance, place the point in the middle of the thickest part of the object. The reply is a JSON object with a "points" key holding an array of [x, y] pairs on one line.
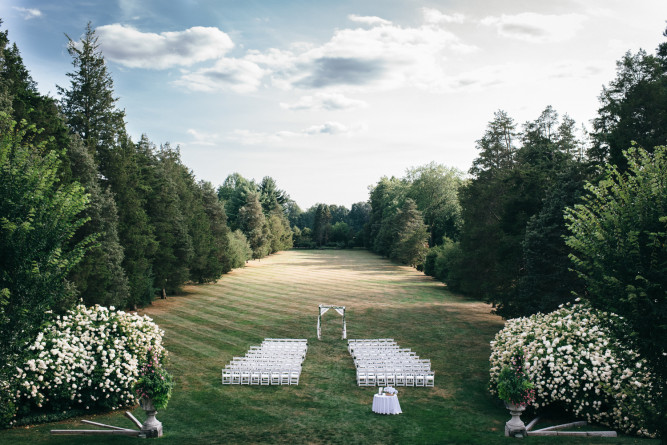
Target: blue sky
{"points": [[328, 96]]}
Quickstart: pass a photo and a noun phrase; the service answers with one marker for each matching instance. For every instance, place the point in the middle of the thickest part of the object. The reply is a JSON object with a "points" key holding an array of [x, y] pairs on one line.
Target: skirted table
{"points": [[383, 404]]}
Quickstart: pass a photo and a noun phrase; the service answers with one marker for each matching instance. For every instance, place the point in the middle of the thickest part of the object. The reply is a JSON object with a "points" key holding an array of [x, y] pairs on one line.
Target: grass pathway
{"points": [[278, 297]]}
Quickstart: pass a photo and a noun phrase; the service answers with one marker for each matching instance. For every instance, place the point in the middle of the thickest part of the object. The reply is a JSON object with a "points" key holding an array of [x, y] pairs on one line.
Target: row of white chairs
{"points": [[395, 378], [277, 361], [383, 362], [260, 376]]}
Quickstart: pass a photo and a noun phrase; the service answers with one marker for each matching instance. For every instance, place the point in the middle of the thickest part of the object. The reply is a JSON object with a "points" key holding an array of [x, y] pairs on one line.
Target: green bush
{"points": [[442, 263]]}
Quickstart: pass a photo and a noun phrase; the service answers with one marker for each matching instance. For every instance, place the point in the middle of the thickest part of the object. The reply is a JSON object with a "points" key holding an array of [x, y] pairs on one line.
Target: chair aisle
{"points": [[382, 362], [277, 361]]}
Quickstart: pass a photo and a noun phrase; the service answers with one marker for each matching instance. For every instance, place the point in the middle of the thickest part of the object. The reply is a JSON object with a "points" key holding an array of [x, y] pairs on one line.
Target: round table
{"points": [[386, 404]]}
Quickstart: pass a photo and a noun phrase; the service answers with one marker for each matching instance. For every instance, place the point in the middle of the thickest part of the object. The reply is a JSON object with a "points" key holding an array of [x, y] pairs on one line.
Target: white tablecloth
{"points": [[386, 404]]}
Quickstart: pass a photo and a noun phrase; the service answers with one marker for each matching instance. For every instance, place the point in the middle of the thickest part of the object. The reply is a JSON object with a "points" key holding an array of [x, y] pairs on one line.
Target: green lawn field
{"points": [[278, 297]]}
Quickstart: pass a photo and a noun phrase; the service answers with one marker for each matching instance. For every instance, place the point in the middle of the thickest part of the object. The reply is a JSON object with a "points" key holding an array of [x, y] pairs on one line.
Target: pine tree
{"points": [[253, 224], [89, 104], [411, 243], [129, 173], [99, 277]]}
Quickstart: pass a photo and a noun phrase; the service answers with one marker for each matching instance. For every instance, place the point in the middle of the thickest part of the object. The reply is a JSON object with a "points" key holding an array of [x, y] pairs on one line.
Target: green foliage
{"points": [[154, 382], [211, 260], [88, 104], [128, 172], [252, 222], [322, 225], [434, 188], [239, 250], [443, 262], [99, 277], [39, 218], [619, 249], [411, 242], [512, 190], [633, 108], [165, 209], [513, 384]]}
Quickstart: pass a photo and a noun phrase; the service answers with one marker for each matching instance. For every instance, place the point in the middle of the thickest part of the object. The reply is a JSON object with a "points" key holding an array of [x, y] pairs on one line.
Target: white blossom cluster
{"points": [[88, 358], [573, 359]]}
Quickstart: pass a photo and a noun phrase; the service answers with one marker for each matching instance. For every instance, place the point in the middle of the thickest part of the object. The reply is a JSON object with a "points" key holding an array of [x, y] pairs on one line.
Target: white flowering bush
{"points": [[87, 359], [574, 361]]}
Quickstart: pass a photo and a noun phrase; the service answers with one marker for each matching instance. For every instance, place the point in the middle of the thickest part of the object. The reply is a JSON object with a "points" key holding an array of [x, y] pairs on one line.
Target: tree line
{"points": [[549, 213], [88, 214]]}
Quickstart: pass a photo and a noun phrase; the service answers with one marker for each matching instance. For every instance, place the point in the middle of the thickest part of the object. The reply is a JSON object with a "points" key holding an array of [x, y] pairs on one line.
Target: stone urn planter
{"points": [[151, 426], [515, 426]]}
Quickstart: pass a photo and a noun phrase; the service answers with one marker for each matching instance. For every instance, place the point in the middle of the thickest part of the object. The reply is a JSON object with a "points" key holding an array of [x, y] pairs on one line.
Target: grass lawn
{"points": [[278, 297]]}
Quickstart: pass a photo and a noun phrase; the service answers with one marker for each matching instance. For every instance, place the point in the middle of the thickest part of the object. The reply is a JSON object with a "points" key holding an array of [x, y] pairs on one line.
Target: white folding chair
{"points": [[254, 377], [391, 377], [430, 378], [275, 377], [370, 378], [245, 377], [294, 377], [381, 378], [400, 378], [420, 379], [226, 376], [264, 377], [361, 378], [409, 379], [284, 377]]}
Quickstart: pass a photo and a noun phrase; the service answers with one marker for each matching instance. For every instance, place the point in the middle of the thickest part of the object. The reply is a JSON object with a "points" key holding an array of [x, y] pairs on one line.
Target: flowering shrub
{"points": [[513, 384], [86, 359], [154, 381], [572, 359]]}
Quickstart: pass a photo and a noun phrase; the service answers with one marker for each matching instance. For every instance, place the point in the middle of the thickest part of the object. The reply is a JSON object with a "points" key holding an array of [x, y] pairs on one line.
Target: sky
{"points": [[328, 96]]}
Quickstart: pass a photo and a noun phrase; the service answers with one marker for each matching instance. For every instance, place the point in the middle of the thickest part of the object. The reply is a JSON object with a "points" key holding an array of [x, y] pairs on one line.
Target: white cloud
{"points": [[29, 13], [202, 138], [238, 75], [331, 128], [135, 49], [324, 101], [368, 20], [537, 28], [435, 17], [379, 58]]}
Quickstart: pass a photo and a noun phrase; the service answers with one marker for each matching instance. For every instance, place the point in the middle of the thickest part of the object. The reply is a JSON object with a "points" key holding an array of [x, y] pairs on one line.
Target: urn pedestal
{"points": [[151, 427], [515, 426]]}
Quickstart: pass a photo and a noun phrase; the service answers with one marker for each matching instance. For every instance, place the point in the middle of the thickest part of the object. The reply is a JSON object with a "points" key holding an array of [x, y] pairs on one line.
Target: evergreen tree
{"points": [[502, 201], [322, 225], [216, 255], [253, 224], [129, 170], [411, 242], [20, 98], [89, 104], [234, 193], [270, 195], [174, 250], [99, 277], [633, 107]]}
